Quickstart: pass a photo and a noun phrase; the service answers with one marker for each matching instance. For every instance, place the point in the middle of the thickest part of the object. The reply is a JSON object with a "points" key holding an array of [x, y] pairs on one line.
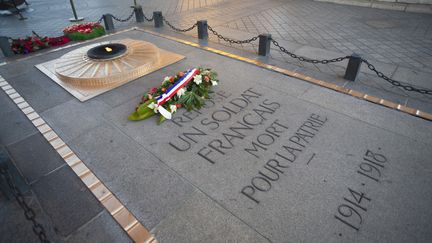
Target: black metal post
{"points": [[353, 67], [264, 44], [5, 46], [139, 15], [202, 29], [75, 18], [108, 21], [158, 19]]}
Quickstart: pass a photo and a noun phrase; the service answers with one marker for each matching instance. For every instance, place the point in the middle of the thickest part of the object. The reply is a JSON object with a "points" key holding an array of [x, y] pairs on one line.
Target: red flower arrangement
{"points": [[34, 43], [84, 31]]}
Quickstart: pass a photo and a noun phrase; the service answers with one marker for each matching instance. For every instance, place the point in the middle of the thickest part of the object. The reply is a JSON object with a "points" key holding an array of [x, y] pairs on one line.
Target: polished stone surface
{"points": [[35, 157], [66, 200], [102, 228]]}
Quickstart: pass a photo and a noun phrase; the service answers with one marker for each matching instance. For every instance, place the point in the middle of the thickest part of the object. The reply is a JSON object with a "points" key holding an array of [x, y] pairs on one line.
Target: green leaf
{"points": [[143, 108], [135, 116], [161, 120]]}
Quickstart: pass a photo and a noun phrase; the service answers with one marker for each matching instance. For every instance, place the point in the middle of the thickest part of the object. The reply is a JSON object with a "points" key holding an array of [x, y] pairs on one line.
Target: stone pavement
{"points": [[386, 36], [180, 197], [197, 183], [398, 43]]}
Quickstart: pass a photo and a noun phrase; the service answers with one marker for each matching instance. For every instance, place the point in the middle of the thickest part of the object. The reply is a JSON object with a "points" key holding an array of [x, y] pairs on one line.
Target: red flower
{"points": [[171, 79], [206, 79], [178, 105], [180, 74], [153, 90]]}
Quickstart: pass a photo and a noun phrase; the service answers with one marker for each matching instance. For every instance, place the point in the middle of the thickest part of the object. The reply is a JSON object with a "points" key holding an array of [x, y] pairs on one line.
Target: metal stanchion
{"points": [[75, 18], [264, 44], [353, 67], [5, 46], [139, 14], [202, 29], [108, 21], [158, 19]]}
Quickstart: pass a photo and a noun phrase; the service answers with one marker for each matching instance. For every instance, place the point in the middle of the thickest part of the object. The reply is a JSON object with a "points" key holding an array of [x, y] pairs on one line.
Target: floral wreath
{"points": [[176, 92]]}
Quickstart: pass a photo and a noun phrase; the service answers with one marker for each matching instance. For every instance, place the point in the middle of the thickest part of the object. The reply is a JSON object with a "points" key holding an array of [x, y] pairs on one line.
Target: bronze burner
{"points": [[107, 51]]}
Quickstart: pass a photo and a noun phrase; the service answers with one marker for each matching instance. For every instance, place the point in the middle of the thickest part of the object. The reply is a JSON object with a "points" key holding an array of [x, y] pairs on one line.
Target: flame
{"points": [[108, 49]]}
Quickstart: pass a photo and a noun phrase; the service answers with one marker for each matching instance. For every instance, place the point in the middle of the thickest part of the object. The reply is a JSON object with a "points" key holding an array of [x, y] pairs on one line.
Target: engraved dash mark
{"points": [[313, 155]]}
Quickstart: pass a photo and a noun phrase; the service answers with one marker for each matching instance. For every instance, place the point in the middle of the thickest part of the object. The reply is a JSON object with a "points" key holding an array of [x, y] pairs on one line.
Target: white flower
{"points": [[214, 83], [153, 106], [181, 92], [173, 108], [198, 79], [166, 79]]}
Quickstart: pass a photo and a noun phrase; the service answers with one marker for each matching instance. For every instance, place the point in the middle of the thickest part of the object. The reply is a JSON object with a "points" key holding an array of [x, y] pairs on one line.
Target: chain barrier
{"points": [[29, 213], [177, 29], [232, 41], [100, 20], [369, 65], [123, 20], [148, 19], [394, 82], [305, 59]]}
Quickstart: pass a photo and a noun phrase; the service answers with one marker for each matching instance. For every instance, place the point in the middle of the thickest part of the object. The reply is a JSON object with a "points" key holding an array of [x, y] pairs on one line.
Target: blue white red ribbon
{"points": [[173, 90], [176, 86]]}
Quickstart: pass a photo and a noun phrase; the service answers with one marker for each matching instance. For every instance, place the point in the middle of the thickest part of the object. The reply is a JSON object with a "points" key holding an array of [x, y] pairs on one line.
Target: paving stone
{"points": [[14, 125], [413, 77], [63, 118], [420, 105], [38, 90], [35, 157], [7, 104], [201, 219], [16, 228], [379, 116], [376, 91], [142, 183], [66, 200], [102, 228]]}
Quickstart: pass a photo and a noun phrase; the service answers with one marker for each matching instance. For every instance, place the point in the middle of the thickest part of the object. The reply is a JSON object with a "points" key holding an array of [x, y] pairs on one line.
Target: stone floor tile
{"points": [[35, 157], [38, 90], [101, 229], [66, 200], [200, 219], [383, 117], [149, 189], [15, 227], [74, 118], [14, 126]]}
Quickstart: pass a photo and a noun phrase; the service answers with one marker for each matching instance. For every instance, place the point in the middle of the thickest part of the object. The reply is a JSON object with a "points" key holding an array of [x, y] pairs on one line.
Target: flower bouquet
{"points": [[86, 31], [185, 89], [35, 42]]}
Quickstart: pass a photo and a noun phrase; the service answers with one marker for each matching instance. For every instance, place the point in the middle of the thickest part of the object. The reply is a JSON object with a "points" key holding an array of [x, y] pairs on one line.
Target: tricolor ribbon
{"points": [[173, 90]]}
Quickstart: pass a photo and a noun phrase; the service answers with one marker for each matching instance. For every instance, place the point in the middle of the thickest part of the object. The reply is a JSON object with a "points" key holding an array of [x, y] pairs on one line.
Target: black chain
{"points": [[100, 20], [123, 20], [29, 213], [305, 59], [148, 19], [232, 41], [177, 29], [394, 82], [369, 65]]}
